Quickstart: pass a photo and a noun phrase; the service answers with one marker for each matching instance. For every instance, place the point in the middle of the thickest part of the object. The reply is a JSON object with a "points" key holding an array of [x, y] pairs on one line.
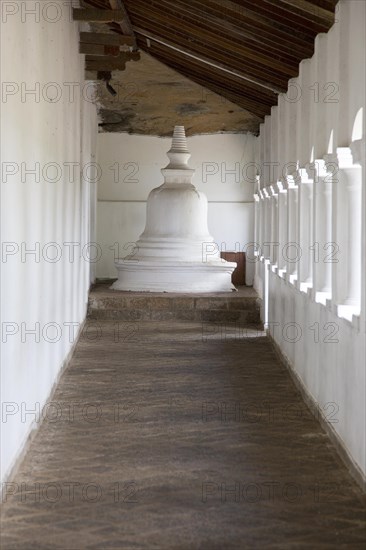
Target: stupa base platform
{"points": [[229, 311], [174, 276]]}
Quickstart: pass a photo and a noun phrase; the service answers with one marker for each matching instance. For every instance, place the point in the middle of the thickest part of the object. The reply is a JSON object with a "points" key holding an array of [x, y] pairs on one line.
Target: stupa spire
{"points": [[178, 154], [179, 141]]}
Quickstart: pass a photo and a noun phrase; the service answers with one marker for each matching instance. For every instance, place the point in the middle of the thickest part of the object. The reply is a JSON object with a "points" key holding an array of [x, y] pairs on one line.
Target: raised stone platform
{"points": [[242, 306]]}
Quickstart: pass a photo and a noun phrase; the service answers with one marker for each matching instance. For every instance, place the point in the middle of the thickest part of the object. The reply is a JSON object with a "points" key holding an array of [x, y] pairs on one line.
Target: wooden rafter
{"points": [[210, 39], [205, 60], [99, 49], [259, 19], [245, 50], [97, 16], [103, 50], [110, 63], [278, 12], [245, 34], [306, 9], [106, 39], [125, 25], [264, 75]]}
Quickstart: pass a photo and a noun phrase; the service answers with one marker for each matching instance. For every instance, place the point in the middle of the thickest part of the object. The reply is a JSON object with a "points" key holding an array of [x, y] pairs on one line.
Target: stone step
{"points": [[242, 306]]}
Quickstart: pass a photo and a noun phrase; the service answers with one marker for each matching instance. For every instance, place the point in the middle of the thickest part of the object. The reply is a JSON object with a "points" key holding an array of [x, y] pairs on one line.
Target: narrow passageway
{"points": [[154, 395], [179, 435]]}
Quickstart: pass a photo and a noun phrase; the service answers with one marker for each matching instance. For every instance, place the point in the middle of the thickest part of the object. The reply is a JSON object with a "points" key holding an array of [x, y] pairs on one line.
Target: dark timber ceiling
{"points": [[245, 51]]}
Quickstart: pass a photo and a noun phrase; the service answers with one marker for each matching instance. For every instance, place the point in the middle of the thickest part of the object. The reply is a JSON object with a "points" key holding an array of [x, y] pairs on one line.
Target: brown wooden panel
{"points": [[214, 41], [99, 49], [107, 39], [238, 276], [305, 9], [194, 16], [95, 15], [105, 63]]}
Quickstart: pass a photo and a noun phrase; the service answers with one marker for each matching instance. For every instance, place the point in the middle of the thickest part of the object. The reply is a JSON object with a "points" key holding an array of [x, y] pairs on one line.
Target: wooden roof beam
{"points": [[287, 68], [251, 12], [239, 31], [329, 5], [106, 39], [126, 25], [220, 66], [108, 63], [261, 95], [280, 13], [256, 75], [92, 15], [258, 22], [99, 49], [309, 10]]}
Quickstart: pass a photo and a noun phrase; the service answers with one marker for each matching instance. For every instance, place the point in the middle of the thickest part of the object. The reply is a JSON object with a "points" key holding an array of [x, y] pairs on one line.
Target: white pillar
{"points": [[262, 222], [274, 228], [301, 94], [305, 224], [358, 149], [347, 228], [274, 145], [292, 250], [255, 251], [282, 227], [353, 182], [267, 224], [322, 246]]}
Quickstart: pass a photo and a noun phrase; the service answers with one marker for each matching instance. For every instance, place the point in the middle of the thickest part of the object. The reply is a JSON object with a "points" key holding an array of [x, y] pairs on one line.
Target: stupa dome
{"points": [[175, 252]]}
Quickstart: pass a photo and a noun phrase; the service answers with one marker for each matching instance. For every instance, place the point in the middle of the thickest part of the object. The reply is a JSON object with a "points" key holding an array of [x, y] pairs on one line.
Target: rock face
{"points": [[175, 253], [145, 86]]}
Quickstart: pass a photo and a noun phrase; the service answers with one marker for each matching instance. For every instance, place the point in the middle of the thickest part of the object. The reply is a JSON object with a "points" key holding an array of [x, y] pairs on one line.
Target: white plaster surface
{"points": [[326, 344], [37, 293]]}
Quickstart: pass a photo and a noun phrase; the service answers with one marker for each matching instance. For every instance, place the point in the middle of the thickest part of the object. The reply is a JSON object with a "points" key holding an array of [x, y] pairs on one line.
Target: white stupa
{"points": [[175, 253]]}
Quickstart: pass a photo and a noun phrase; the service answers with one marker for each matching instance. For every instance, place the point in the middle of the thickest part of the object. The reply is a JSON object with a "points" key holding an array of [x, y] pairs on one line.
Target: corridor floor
{"points": [[178, 435]]}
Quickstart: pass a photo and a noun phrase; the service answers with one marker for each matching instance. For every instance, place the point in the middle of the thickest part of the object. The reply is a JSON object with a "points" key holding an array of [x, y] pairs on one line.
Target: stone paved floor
{"points": [[180, 436]]}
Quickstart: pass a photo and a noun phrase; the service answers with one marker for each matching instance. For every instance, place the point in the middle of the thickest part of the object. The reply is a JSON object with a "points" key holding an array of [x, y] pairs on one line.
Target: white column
{"points": [[262, 218], [274, 228], [292, 250], [344, 65], [305, 224], [301, 93], [353, 182], [267, 224], [319, 92], [256, 218], [358, 149], [281, 135], [257, 240], [266, 167], [274, 144], [331, 104], [282, 227], [347, 228], [322, 246]]}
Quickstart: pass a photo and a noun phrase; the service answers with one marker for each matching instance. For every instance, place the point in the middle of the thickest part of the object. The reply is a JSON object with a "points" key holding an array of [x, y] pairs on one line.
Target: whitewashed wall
{"points": [[45, 291], [130, 169], [315, 198]]}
